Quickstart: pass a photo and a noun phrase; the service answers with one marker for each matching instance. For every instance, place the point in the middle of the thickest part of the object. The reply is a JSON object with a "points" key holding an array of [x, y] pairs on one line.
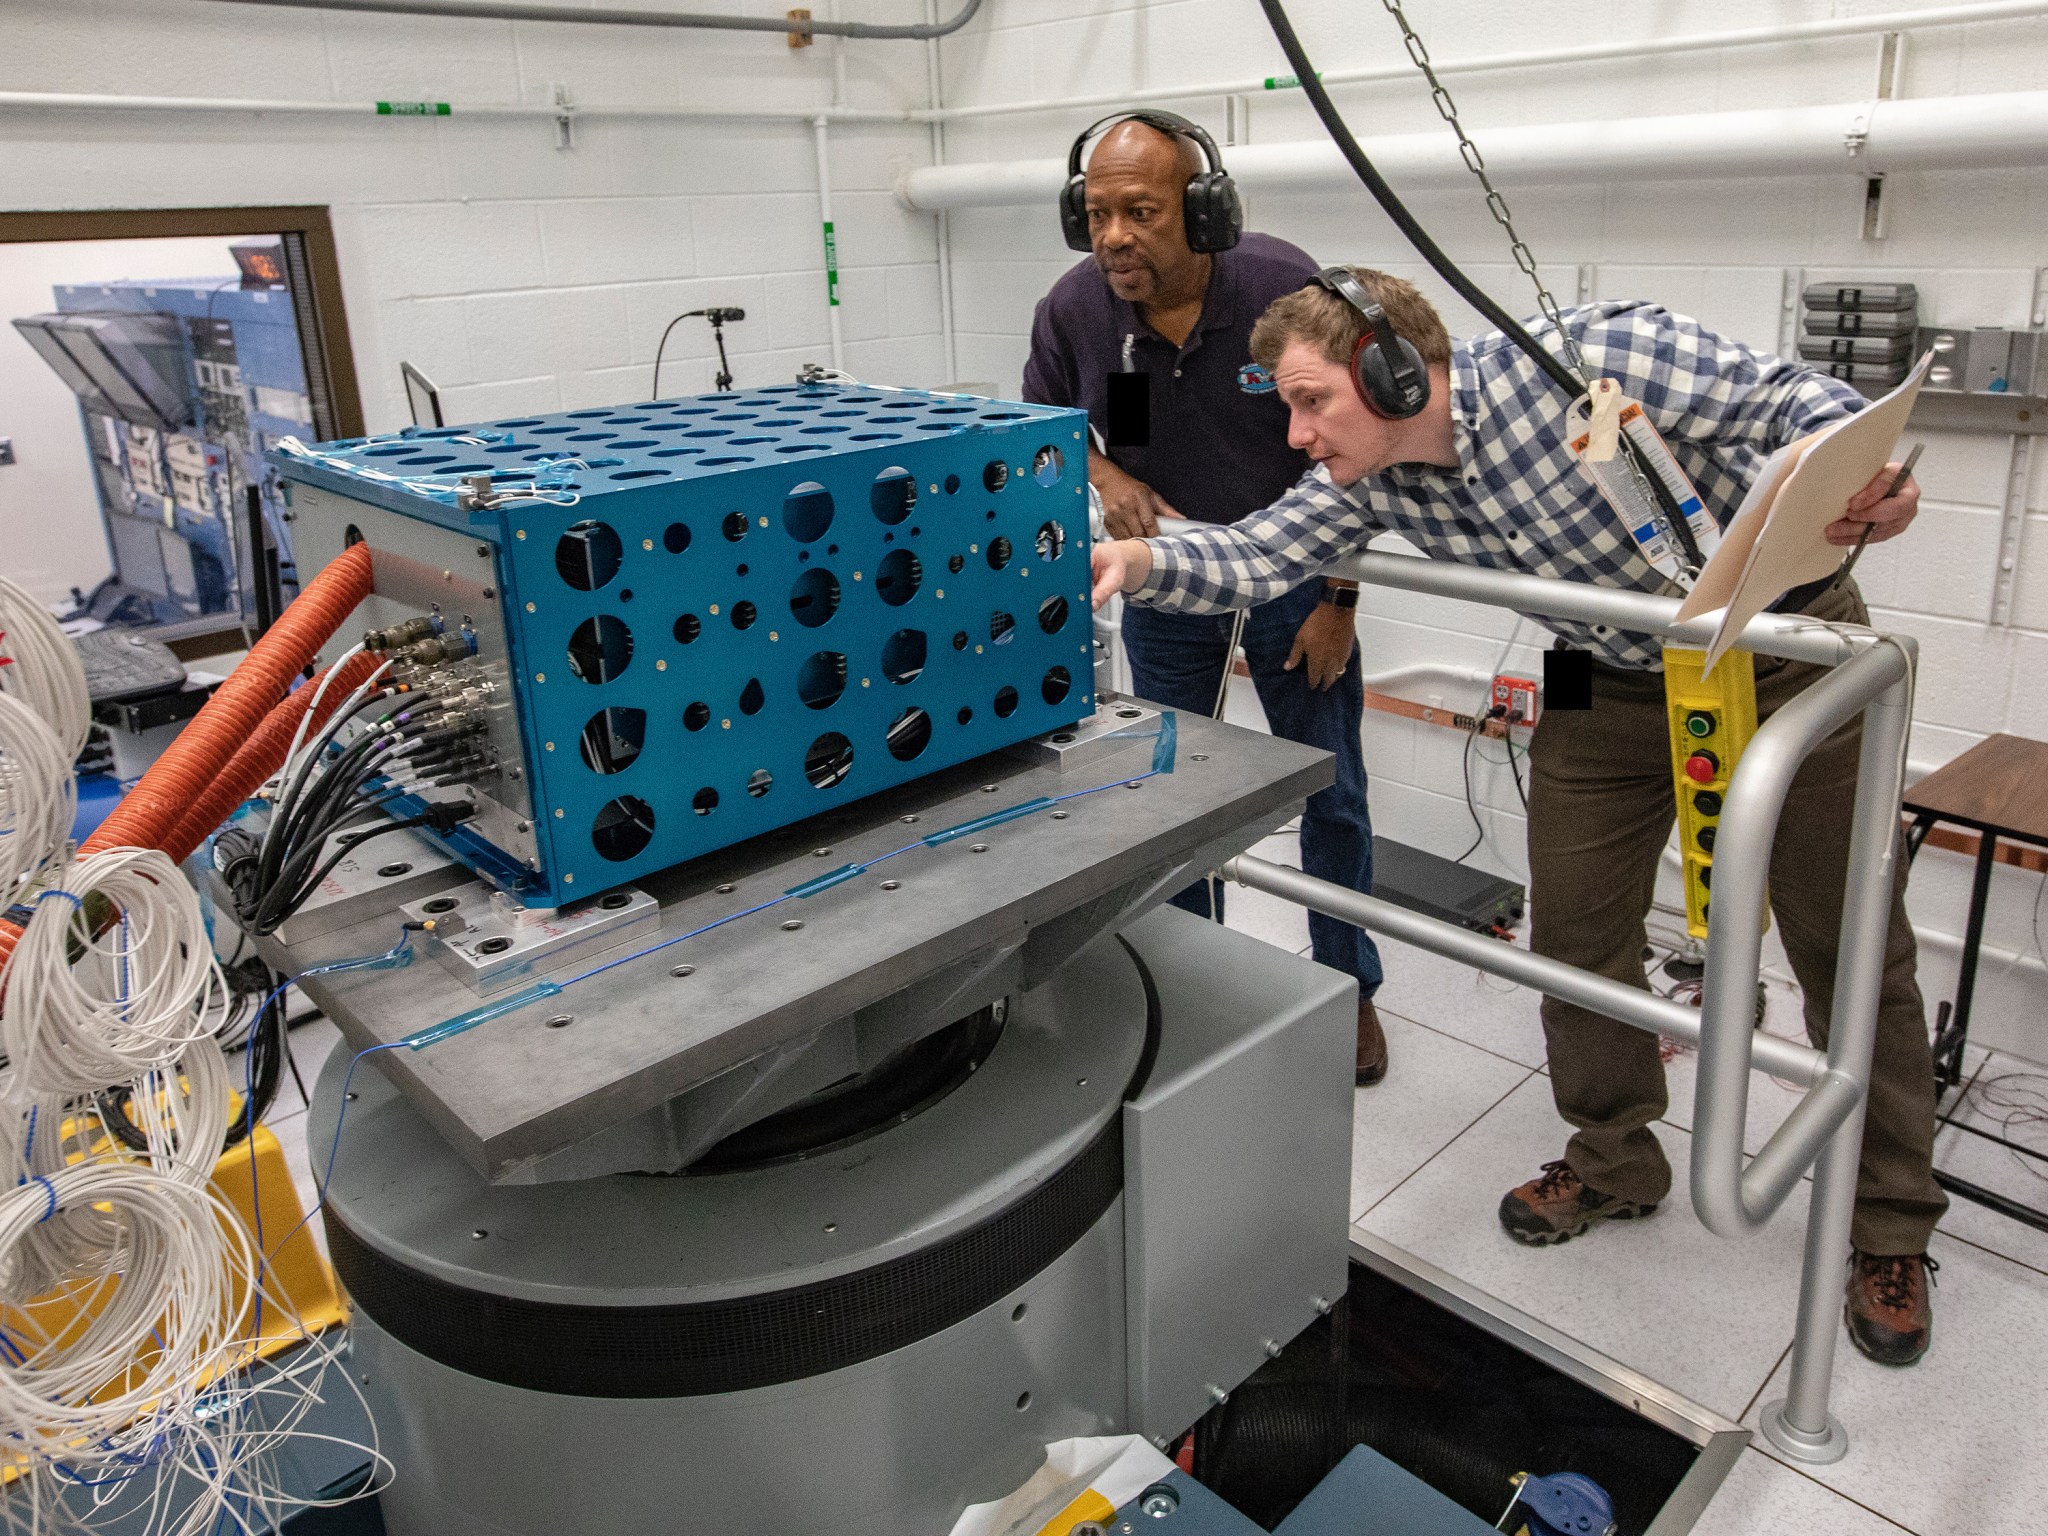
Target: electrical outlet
{"points": [[1519, 699], [6, 451]]}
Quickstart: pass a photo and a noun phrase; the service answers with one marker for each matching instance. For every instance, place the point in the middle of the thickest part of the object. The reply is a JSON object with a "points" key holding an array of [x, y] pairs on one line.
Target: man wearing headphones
{"points": [[1463, 449], [1152, 336]]}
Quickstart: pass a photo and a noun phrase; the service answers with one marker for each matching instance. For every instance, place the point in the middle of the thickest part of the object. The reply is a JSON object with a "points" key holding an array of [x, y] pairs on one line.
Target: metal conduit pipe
{"points": [[1861, 138], [1822, 30], [512, 10], [1796, 1063]]}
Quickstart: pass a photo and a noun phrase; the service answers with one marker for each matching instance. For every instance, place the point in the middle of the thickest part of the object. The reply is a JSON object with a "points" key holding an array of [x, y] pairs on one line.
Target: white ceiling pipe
{"points": [[1864, 138], [80, 101]]}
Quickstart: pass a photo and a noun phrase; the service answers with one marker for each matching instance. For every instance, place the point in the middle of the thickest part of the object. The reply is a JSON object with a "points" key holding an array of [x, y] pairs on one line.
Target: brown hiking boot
{"points": [[1372, 1045], [1888, 1310], [1555, 1207]]}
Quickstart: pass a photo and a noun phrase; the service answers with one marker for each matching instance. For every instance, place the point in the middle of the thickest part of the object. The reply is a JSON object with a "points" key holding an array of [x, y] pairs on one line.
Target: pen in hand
{"points": [[1898, 484]]}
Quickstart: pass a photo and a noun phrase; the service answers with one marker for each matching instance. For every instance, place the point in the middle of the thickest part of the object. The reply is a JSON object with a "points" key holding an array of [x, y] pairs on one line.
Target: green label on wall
{"points": [[413, 109], [831, 267], [1286, 82]]}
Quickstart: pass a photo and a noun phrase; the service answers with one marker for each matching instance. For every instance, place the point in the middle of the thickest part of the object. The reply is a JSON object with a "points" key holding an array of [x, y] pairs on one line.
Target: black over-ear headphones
{"points": [[1386, 370], [1211, 210]]}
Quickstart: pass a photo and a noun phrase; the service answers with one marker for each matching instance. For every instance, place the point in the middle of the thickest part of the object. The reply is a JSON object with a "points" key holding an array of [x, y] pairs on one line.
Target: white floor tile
{"points": [[1770, 1099], [2007, 1173], [1434, 1088], [1282, 847], [1762, 1495], [1954, 1445], [1455, 999], [1704, 1315]]}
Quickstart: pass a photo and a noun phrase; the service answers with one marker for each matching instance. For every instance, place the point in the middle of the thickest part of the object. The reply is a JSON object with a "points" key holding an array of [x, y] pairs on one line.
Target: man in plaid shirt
{"points": [[1483, 474]]}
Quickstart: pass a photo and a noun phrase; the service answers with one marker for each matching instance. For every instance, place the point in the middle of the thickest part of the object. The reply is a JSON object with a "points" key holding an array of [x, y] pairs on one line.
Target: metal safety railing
{"points": [[1872, 677]]}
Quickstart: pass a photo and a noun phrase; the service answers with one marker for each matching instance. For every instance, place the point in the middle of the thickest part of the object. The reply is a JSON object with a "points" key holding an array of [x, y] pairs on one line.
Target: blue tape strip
{"points": [[1168, 744], [512, 1002], [982, 823], [825, 882]]}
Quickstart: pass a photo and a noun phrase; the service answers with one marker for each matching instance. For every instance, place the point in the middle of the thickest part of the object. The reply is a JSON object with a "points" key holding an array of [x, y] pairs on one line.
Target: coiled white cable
{"points": [[85, 1009], [43, 668], [38, 797]]}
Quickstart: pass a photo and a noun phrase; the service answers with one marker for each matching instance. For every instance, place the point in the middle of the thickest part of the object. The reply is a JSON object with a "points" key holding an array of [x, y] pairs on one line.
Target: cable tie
{"points": [[49, 1190], [43, 896]]}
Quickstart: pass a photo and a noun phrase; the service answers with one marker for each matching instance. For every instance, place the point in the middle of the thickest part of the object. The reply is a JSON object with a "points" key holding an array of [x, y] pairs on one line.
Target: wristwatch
{"points": [[1341, 597]]}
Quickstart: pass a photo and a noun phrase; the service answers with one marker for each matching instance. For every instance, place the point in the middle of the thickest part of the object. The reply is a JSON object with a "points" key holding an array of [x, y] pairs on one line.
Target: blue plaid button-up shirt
{"points": [[1519, 499]]}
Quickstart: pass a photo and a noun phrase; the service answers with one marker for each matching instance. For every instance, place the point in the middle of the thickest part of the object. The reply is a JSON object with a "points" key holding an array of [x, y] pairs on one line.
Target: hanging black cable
{"points": [[1390, 203]]}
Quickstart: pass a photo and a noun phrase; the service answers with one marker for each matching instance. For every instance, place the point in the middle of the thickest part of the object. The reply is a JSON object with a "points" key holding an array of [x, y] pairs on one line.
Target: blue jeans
{"points": [[1177, 659]]}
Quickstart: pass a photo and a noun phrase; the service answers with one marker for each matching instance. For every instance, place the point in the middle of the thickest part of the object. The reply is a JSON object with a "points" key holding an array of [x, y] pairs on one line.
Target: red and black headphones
{"points": [[1386, 370]]}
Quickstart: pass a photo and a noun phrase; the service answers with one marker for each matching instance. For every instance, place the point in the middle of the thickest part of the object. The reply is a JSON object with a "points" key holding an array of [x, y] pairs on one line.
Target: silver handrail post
{"points": [[1800, 1424]]}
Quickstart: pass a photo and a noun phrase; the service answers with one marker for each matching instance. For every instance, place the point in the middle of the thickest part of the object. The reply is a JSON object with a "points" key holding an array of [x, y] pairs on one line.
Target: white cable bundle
{"points": [[137, 994], [38, 796], [44, 670], [105, 1394]]}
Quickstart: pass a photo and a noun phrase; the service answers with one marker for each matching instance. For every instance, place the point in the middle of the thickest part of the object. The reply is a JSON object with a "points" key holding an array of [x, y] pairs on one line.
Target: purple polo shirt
{"points": [[1218, 451]]}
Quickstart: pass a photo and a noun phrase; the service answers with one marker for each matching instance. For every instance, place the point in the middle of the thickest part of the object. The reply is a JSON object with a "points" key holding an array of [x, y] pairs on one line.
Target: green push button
{"points": [[1699, 723]]}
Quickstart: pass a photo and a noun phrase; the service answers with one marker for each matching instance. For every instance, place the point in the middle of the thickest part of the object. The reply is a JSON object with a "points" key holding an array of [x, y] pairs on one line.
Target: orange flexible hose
{"points": [[262, 755], [175, 782]]}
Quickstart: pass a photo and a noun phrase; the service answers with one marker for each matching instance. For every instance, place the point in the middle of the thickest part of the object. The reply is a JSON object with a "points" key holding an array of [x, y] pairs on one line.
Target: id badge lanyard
{"points": [[1607, 415]]}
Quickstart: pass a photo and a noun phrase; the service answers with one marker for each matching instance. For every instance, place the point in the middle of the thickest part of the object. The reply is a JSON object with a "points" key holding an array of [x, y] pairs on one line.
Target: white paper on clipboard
{"points": [[1778, 539]]}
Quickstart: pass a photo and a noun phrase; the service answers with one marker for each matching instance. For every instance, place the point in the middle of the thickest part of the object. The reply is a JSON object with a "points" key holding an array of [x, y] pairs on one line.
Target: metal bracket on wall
{"points": [[1891, 58], [1789, 289], [2012, 527], [565, 118], [2038, 310], [1589, 281], [1237, 120]]}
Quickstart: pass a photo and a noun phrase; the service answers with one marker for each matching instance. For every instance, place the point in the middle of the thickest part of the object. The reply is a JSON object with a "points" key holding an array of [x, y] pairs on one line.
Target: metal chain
{"points": [[1495, 203]]}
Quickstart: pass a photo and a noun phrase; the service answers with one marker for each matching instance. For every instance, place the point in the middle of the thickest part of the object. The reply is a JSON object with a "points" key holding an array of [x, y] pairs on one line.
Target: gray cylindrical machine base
{"points": [[1832, 1445], [895, 1444]]}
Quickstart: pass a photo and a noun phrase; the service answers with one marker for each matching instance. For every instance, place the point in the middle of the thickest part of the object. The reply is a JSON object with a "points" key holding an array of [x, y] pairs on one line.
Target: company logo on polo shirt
{"points": [[1254, 380]]}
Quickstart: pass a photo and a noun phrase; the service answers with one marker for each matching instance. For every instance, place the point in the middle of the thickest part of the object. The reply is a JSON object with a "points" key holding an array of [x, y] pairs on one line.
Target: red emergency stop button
{"points": [[1702, 766]]}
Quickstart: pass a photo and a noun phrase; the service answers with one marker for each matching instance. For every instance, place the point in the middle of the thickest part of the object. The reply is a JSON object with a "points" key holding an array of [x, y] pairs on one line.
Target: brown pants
{"points": [[1601, 807]]}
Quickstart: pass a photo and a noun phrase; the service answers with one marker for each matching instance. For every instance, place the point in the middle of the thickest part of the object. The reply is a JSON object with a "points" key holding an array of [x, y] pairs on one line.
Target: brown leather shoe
{"points": [[1889, 1312], [1555, 1207], [1372, 1045]]}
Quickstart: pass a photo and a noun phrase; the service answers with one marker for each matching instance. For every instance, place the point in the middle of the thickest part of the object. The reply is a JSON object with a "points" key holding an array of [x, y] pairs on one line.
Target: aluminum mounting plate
{"points": [[1023, 894]]}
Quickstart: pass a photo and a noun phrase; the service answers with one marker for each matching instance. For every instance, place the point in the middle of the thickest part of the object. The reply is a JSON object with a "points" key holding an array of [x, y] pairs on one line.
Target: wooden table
{"points": [[1999, 788]]}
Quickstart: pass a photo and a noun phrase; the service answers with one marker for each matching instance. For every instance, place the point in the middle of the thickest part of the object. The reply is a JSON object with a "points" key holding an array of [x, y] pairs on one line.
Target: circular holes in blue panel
{"points": [[1051, 541], [612, 738], [688, 628], [636, 442], [876, 437], [821, 679], [622, 828], [909, 734], [696, 716], [759, 782], [705, 801], [893, 496], [675, 538], [807, 512], [897, 577], [744, 614], [999, 553], [673, 453], [903, 656], [588, 415], [752, 697], [587, 556], [1006, 701], [995, 474], [640, 474], [1052, 614], [729, 460], [590, 437], [520, 421], [1056, 684], [886, 421], [1002, 628], [600, 649], [828, 760], [734, 526], [814, 597], [821, 431], [1048, 464]]}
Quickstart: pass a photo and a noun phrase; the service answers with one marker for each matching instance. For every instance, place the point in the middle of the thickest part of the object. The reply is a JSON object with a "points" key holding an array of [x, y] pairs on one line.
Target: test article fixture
{"points": [[676, 625], [1711, 716]]}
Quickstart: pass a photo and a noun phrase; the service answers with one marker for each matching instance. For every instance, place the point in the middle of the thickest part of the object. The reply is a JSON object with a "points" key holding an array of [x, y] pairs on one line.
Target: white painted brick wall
{"points": [[520, 277], [1715, 249]]}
